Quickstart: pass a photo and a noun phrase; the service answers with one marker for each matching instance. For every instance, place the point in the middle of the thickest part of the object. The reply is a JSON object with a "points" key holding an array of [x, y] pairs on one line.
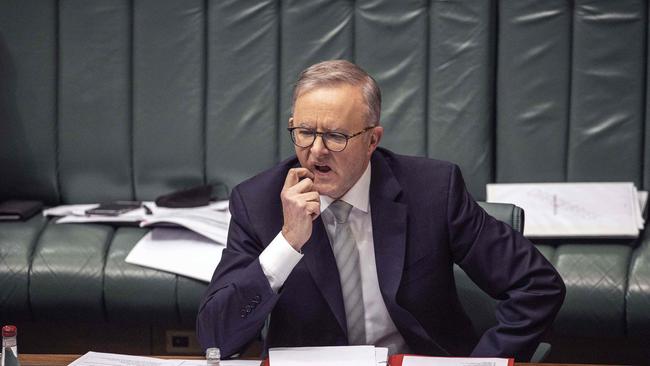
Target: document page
{"points": [[114, 359], [177, 250], [323, 356], [454, 361], [574, 209]]}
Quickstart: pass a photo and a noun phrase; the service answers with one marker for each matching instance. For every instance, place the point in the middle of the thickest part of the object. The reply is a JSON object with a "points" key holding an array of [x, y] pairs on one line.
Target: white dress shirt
{"points": [[279, 259]]}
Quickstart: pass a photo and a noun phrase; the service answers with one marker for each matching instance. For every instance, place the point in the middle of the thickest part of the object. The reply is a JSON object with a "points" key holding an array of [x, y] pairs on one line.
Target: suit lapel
{"points": [[388, 226], [322, 266]]}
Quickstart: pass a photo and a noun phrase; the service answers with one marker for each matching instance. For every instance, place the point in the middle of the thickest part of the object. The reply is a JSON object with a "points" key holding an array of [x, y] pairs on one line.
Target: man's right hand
{"points": [[300, 206]]}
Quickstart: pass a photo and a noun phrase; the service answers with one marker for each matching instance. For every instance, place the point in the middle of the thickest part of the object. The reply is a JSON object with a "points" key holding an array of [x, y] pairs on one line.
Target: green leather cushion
{"points": [[17, 241], [66, 281], [638, 293], [134, 293], [596, 278]]}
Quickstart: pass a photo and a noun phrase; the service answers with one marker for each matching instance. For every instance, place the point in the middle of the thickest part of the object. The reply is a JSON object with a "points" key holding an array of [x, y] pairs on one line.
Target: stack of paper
{"points": [[554, 210], [210, 221], [114, 359]]}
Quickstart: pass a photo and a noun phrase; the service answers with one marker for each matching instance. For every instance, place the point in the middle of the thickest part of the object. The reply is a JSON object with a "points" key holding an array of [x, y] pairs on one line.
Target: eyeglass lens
{"points": [[305, 137]]}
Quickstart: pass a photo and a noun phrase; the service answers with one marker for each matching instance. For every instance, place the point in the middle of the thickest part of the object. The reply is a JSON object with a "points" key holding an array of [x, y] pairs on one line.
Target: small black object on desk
{"points": [[14, 210]]}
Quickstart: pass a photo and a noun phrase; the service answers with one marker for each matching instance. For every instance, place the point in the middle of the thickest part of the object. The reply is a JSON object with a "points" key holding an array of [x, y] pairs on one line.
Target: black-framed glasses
{"points": [[334, 141]]}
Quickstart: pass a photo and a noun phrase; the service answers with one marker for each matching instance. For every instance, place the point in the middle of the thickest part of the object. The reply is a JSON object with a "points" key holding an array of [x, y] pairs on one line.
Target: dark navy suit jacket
{"points": [[423, 221]]}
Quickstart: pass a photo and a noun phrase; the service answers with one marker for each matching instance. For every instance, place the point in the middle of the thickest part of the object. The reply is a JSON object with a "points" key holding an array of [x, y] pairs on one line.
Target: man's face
{"points": [[335, 109]]}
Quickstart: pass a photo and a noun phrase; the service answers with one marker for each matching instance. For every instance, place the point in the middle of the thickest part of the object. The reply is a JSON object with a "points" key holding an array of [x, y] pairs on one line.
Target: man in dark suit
{"points": [[348, 243]]}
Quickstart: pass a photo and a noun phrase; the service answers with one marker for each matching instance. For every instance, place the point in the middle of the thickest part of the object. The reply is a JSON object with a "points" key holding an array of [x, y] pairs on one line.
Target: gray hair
{"points": [[337, 72]]}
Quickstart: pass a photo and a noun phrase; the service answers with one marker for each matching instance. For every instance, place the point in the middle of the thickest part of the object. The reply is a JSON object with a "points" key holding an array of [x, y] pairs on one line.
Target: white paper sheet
{"points": [[211, 224], [323, 356], [574, 209], [452, 361], [381, 356], [178, 251], [114, 359]]}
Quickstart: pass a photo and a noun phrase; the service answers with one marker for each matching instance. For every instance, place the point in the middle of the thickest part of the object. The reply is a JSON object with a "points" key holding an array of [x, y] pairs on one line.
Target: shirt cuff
{"points": [[278, 260]]}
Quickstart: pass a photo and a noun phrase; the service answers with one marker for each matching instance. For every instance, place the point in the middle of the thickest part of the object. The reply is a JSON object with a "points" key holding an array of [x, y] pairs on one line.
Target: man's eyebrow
{"points": [[305, 124]]}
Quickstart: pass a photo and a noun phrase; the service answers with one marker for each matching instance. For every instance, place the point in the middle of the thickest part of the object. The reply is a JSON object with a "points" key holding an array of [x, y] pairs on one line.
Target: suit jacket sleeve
{"points": [[509, 268], [239, 297]]}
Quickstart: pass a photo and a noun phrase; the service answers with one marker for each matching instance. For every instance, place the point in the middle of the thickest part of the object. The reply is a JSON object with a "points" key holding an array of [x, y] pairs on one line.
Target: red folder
{"points": [[396, 360]]}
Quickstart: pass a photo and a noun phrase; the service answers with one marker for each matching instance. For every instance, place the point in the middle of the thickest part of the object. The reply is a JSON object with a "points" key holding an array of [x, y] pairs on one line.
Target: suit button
{"points": [[257, 299]]}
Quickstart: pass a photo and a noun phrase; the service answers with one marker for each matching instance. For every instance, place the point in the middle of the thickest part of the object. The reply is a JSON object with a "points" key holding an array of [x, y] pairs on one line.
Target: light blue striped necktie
{"points": [[347, 260]]}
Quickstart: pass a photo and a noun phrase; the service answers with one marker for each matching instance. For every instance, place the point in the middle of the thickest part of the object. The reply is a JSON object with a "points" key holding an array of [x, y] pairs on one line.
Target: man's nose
{"points": [[318, 147]]}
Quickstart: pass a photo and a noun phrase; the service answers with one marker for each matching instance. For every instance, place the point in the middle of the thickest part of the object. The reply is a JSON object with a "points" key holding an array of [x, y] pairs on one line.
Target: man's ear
{"points": [[375, 137], [290, 121]]}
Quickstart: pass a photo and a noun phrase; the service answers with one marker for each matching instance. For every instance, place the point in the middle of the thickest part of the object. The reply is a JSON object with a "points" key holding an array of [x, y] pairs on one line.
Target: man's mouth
{"points": [[322, 168]]}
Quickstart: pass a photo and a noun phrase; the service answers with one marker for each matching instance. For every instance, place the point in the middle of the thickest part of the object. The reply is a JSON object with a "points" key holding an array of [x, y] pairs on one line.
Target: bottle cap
{"points": [[9, 331], [213, 353]]}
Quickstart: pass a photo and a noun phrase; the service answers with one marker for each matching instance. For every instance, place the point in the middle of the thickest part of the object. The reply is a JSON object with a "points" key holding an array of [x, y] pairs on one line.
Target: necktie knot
{"points": [[341, 210]]}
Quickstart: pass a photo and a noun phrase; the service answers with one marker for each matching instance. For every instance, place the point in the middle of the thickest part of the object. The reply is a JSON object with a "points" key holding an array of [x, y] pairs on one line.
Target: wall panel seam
{"points": [[353, 27], [204, 96], [278, 86], [57, 99], [131, 78], [567, 136], [492, 81], [644, 102], [427, 61]]}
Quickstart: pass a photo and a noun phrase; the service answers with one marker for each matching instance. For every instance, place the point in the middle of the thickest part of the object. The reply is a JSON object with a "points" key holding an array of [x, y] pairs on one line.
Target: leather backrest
{"points": [[130, 99]]}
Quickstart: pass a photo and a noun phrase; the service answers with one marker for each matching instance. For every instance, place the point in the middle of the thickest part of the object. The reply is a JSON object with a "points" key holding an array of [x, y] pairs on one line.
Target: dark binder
{"points": [[19, 209]]}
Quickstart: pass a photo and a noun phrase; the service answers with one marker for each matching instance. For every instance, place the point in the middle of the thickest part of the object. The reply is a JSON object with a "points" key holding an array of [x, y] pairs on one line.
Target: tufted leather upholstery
{"points": [[130, 99]]}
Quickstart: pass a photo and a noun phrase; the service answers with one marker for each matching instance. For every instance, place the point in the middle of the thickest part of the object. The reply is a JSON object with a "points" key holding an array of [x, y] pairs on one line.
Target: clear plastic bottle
{"points": [[9, 345], [213, 356]]}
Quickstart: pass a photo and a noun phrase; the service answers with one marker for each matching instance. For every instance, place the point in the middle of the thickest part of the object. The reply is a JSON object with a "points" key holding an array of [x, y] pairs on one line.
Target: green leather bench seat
{"points": [[597, 275], [17, 242], [637, 297], [66, 276], [135, 293], [77, 272]]}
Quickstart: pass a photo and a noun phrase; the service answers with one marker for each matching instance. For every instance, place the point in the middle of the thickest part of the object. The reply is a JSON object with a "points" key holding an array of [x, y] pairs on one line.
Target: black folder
{"points": [[19, 209]]}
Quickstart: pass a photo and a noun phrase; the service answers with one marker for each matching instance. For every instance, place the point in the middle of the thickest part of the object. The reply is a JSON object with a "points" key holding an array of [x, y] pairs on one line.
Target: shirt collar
{"points": [[358, 196]]}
